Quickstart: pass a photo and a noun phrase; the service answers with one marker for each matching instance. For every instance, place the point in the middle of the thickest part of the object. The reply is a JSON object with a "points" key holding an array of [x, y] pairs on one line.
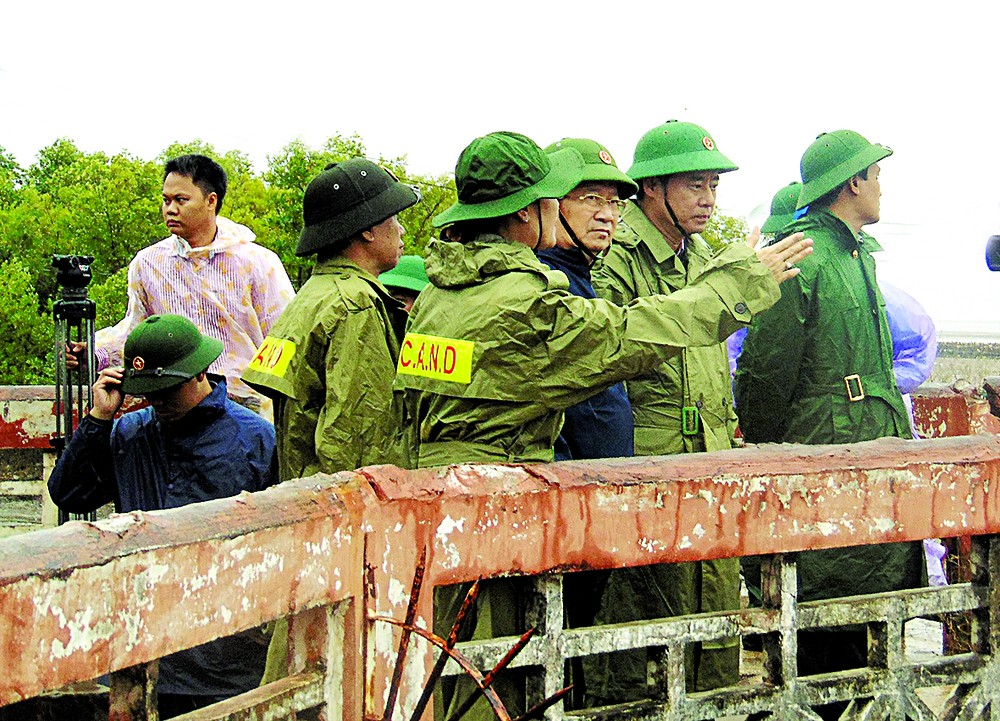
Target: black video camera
{"points": [[73, 274]]}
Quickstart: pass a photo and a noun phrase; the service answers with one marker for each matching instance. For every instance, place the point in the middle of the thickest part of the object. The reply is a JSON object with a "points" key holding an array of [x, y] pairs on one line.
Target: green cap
{"points": [[164, 351], [409, 274], [598, 165], [677, 147], [501, 173], [347, 198], [782, 208], [834, 158]]}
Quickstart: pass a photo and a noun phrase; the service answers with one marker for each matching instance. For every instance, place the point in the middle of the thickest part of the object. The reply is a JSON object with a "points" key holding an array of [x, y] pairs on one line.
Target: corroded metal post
{"points": [[133, 693]]}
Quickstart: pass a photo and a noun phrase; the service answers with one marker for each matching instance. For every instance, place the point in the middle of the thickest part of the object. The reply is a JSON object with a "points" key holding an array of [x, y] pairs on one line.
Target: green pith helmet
{"points": [[782, 208], [598, 165], [677, 147], [834, 158], [501, 173], [347, 198], [410, 274], [164, 351]]}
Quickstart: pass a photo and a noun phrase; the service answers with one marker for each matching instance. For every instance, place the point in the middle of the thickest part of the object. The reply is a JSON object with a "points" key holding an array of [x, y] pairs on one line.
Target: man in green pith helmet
{"points": [[783, 207], [600, 426], [684, 405], [817, 368], [191, 444], [490, 384], [406, 280]]}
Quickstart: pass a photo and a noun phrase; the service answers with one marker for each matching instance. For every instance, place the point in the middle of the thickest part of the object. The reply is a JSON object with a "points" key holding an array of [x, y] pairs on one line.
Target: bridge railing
{"points": [[334, 553]]}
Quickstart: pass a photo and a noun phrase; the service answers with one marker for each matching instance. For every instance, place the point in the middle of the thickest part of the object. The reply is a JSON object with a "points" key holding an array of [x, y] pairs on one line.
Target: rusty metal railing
{"points": [[333, 552]]}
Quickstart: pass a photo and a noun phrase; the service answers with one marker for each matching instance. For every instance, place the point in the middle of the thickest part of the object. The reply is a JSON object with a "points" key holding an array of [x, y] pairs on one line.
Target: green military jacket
{"points": [[817, 368], [329, 362], [641, 263], [497, 347]]}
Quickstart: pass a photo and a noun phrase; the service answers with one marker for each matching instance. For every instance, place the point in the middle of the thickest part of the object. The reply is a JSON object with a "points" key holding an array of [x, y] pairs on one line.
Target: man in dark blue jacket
{"points": [[192, 444], [601, 426]]}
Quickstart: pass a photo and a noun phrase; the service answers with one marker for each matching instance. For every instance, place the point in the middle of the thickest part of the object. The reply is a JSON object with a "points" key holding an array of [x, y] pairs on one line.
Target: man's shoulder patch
{"points": [[273, 357], [429, 356]]}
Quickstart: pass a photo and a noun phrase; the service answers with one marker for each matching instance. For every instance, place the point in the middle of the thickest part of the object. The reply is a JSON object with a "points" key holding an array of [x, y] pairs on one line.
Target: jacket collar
{"points": [[227, 235], [211, 407], [647, 233], [571, 259], [841, 231], [452, 265], [339, 265]]}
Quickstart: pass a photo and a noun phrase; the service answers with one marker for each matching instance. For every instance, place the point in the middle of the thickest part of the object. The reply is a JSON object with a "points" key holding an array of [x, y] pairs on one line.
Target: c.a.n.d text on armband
{"points": [[431, 356], [273, 356]]}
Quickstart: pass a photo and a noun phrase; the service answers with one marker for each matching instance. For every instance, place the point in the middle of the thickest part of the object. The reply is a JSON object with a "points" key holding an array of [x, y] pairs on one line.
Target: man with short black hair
{"points": [[209, 270], [191, 444], [817, 368], [684, 405]]}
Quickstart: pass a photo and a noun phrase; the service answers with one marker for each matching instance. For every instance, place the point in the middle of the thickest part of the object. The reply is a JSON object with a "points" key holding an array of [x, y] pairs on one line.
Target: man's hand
{"points": [[74, 352], [781, 257], [108, 396]]}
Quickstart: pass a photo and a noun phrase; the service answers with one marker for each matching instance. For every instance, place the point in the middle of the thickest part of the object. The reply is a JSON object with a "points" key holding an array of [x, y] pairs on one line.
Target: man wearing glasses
{"points": [[601, 426], [685, 405]]}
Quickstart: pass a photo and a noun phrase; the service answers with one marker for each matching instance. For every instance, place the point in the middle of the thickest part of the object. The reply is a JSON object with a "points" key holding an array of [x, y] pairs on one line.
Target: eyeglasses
{"points": [[598, 202]]}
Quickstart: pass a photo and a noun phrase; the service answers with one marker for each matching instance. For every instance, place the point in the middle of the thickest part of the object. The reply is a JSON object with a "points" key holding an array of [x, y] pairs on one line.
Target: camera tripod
{"points": [[74, 316]]}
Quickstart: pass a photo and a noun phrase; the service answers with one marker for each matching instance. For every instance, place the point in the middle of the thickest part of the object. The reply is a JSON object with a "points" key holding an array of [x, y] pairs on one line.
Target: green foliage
{"points": [[111, 297], [11, 176], [50, 161], [724, 229], [436, 194], [71, 201], [27, 352]]}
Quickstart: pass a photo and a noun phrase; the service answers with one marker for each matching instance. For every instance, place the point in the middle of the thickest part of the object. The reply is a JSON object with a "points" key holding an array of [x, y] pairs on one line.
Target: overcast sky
{"points": [[423, 79]]}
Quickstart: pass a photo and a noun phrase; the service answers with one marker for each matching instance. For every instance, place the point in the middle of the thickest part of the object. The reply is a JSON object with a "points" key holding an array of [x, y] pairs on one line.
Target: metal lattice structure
{"points": [[886, 689]]}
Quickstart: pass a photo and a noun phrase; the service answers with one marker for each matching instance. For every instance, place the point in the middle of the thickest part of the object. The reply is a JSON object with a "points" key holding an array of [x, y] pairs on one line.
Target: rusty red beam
{"points": [[684, 508], [85, 599]]}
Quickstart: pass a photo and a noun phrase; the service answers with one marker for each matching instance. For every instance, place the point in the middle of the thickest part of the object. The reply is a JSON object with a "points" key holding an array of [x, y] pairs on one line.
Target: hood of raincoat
{"points": [[457, 265], [228, 234]]}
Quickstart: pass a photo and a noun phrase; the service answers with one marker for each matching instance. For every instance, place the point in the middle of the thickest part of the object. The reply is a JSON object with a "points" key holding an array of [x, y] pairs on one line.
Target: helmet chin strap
{"points": [[685, 236], [577, 242], [673, 217]]}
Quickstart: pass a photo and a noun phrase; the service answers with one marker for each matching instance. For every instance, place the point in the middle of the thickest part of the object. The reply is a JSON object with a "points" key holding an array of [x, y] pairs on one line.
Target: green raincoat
{"points": [[683, 405], [817, 368], [497, 347], [827, 340], [329, 362]]}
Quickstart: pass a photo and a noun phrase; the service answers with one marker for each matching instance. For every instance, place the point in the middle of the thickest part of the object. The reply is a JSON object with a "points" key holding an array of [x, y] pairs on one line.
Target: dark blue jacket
{"points": [[601, 426], [217, 450]]}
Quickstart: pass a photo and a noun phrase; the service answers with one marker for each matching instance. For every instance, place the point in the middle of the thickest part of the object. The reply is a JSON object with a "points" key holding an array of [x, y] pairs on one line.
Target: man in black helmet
{"points": [[191, 444], [330, 359]]}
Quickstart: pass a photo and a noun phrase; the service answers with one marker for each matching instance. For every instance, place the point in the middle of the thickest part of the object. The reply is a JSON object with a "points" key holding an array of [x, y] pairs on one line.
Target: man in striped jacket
{"points": [[208, 270]]}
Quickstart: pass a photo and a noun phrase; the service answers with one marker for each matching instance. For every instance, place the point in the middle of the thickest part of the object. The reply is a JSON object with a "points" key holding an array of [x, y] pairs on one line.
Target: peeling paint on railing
{"points": [[88, 598]]}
